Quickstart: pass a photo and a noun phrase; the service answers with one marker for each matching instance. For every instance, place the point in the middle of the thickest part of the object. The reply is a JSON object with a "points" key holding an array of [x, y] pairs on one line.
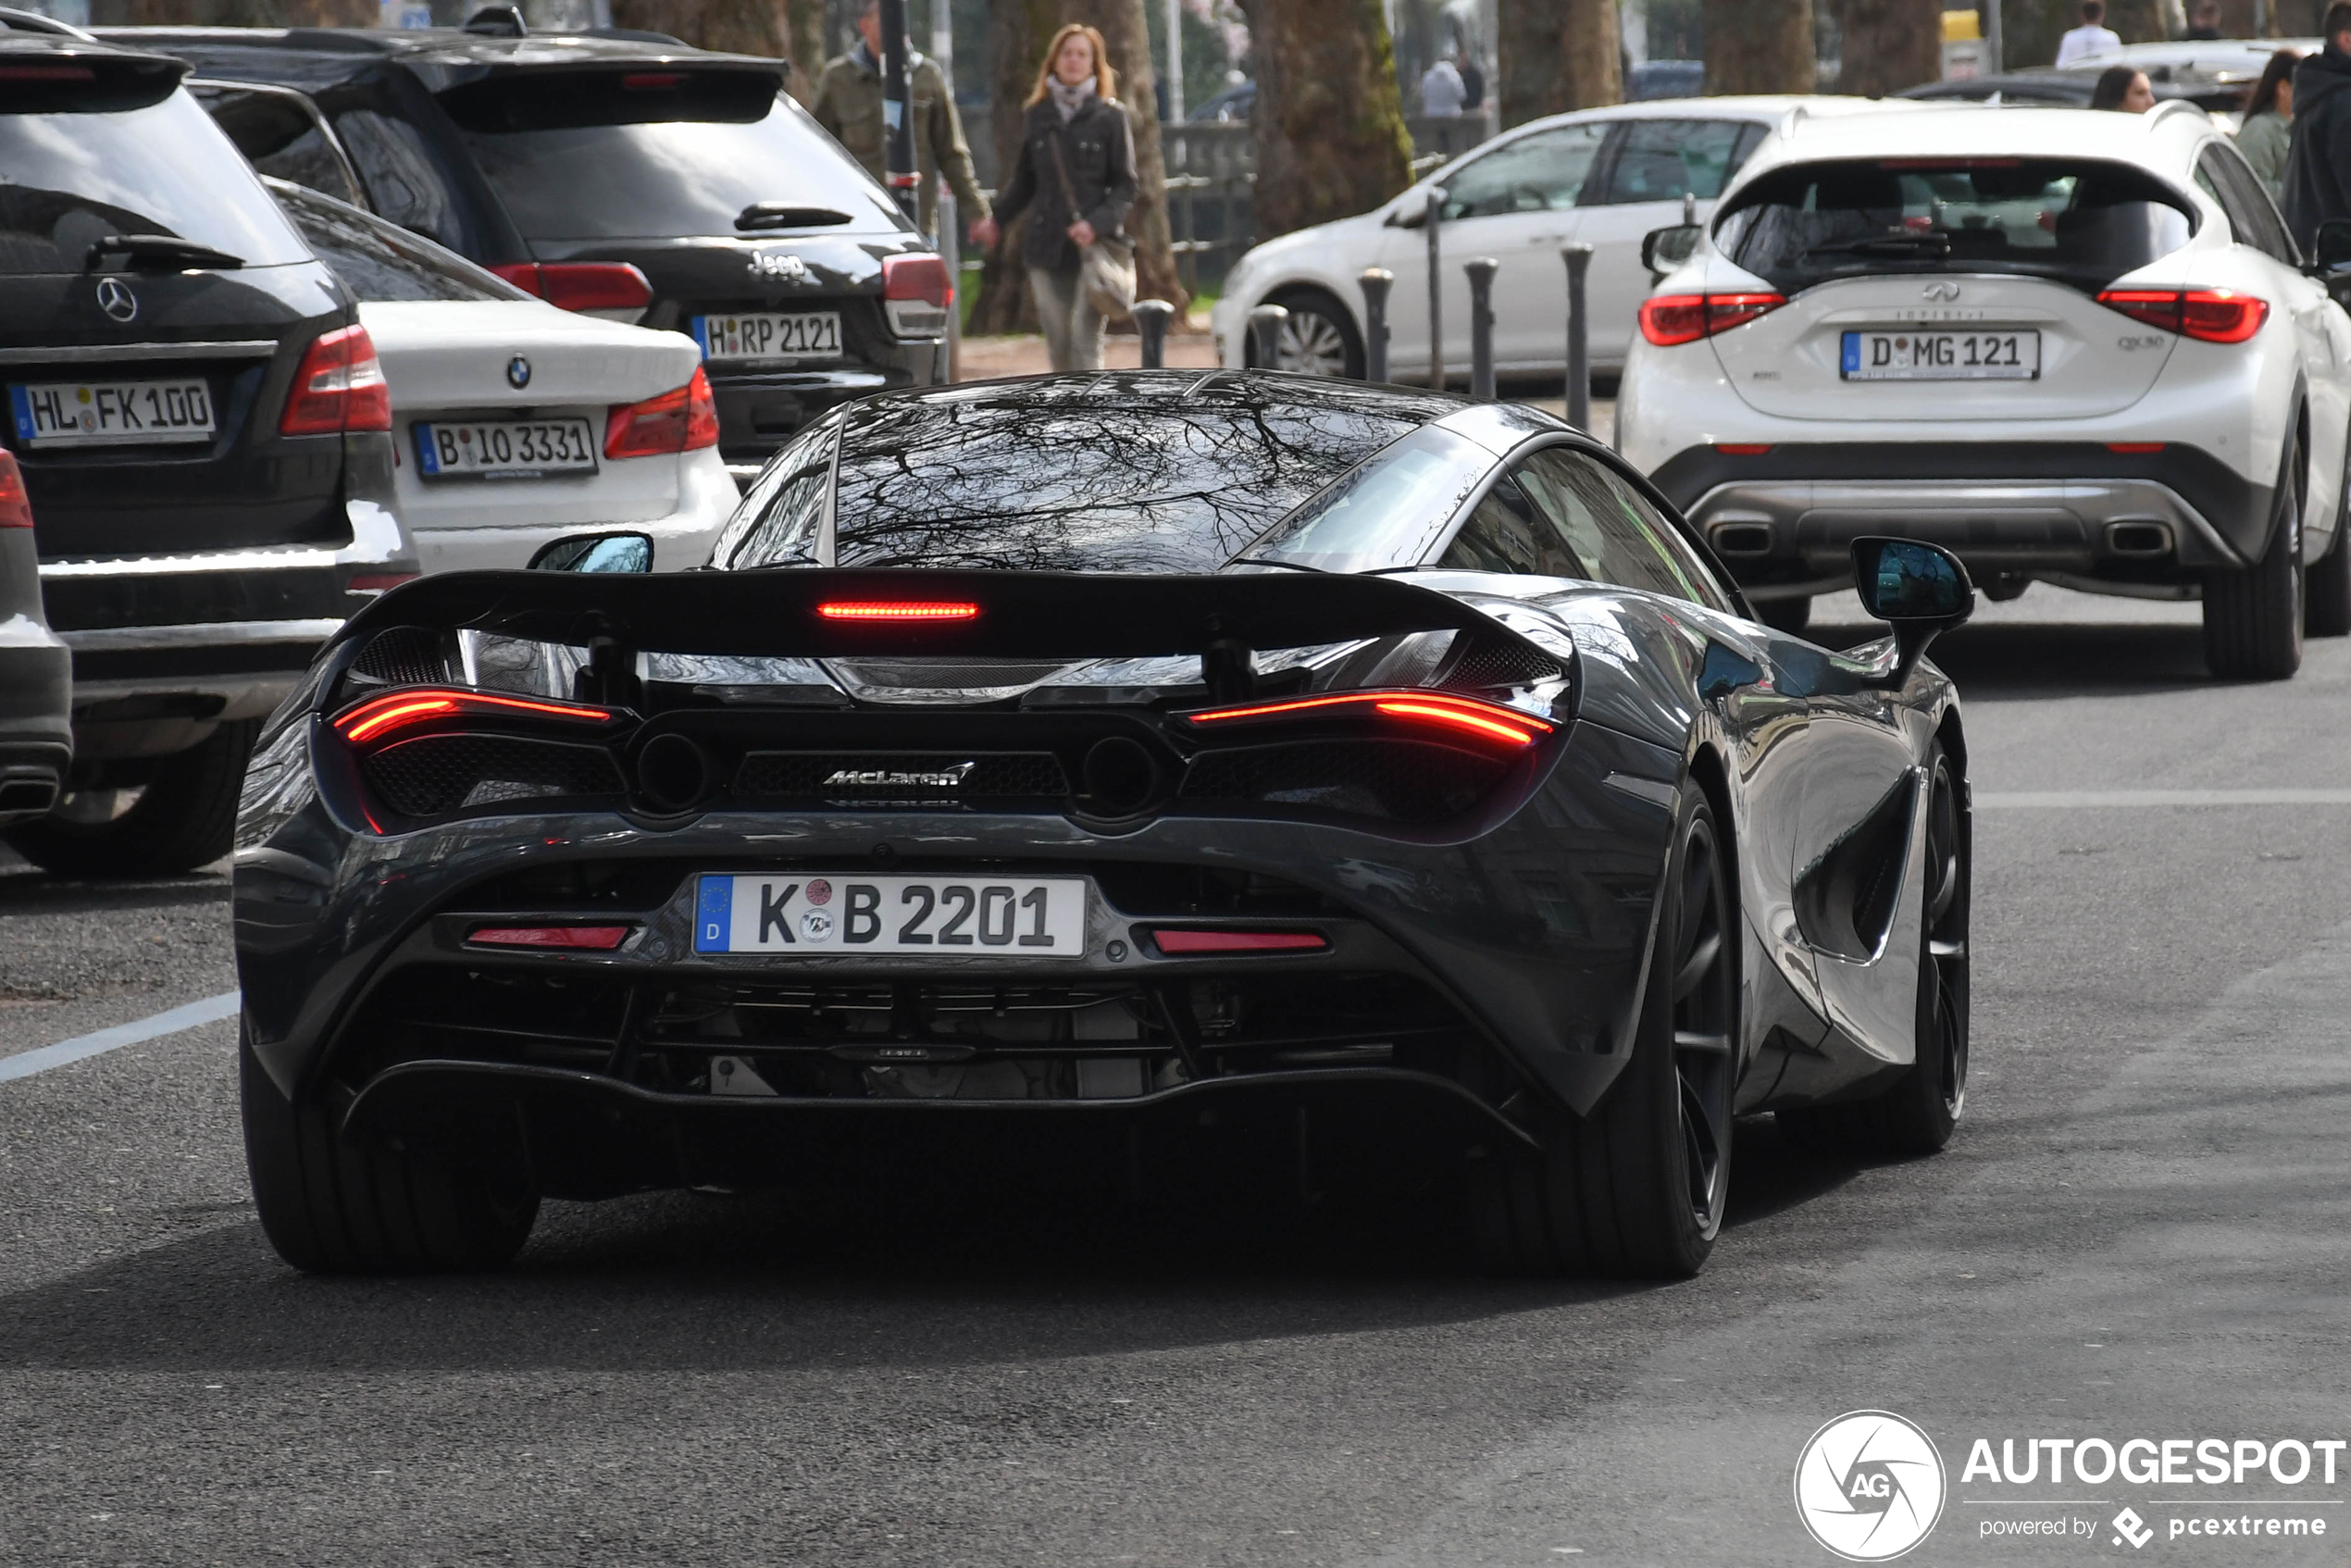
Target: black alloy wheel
{"points": [[1320, 338], [2252, 618], [1639, 1188], [185, 816], [1918, 1113]]}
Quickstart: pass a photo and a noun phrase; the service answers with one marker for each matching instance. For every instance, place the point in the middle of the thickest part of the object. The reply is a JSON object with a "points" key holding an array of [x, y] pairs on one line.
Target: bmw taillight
{"points": [[682, 420], [2212, 316], [917, 292], [1669, 320], [16, 506], [340, 387], [581, 285]]}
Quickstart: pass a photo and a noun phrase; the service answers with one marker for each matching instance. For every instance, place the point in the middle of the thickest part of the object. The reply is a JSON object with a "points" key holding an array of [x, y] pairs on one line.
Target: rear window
{"points": [[2077, 221], [619, 155], [68, 181], [381, 262]]}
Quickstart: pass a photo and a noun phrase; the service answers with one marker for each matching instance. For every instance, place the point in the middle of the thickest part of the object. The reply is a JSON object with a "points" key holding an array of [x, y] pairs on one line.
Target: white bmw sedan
{"points": [[1605, 177], [516, 422], [2072, 347]]}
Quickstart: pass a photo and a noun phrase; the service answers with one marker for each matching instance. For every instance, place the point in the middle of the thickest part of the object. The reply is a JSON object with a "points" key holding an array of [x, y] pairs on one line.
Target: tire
{"points": [[1320, 338], [1918, 1113], [186, 816], [1791, 615], [2252, 618], [1637, 1189], [332, 1205], [2326, 589]]}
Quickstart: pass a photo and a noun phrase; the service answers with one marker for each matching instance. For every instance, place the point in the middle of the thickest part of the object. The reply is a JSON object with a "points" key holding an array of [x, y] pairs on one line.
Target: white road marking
{"points": [[2069, 799], [211, 1010]]}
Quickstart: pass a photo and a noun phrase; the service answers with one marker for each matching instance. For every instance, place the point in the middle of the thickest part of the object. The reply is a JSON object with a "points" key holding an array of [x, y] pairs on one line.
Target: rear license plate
{"points": [[1942, 356], [812, 336], [520, 449], [112, 413], [1015, 919]]}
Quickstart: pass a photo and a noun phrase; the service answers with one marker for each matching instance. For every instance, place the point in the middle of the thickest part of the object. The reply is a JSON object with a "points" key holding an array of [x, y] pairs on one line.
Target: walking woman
{"points": [[1076, 179], [2268, 130]]}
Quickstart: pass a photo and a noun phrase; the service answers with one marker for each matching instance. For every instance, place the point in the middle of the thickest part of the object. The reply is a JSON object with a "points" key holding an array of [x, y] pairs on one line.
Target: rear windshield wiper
{"points": [[157, 250], [782, 215], [1270, 561], [1887, 245]]}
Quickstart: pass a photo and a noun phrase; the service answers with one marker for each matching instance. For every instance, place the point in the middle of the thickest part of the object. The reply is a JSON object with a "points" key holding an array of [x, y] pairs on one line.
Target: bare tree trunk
{"points": [[742, 27], [1329, 121], [1760, 46], [1889, 44], [1016, 33], [2139, 21], [1128, 36], [1557, 56], [805, 43]]}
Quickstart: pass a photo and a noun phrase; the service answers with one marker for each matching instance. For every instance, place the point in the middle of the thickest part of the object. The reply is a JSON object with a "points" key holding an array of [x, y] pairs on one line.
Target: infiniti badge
{"points": [[1946, 291], [518, 372], [116, 300]]}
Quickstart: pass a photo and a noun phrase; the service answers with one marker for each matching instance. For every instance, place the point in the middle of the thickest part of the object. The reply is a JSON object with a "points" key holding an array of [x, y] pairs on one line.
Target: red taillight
{"points": [[16, 506], [1428, 710], [683, 420], [592, 939], [2134, 447], [340, 387], [922, 276], [377, 582], [2212, 316], [47, 73], [1191, 942], [581, 285], [379, 716], [897, 610], [1683, 318], [1741, 448]]}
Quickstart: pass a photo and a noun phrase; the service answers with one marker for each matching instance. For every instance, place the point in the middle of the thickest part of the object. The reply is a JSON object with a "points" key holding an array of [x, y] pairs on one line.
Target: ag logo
{"points": [[1869, 1486]]}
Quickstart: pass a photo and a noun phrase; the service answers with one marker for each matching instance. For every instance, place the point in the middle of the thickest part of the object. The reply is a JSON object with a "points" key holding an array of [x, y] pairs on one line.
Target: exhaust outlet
{"points": [[1741, 539], [2140, 538]]}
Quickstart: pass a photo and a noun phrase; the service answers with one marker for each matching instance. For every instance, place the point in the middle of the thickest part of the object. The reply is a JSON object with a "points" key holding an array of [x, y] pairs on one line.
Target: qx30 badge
{"points": [[1869, 1486], [518, 372], [116, 300]]}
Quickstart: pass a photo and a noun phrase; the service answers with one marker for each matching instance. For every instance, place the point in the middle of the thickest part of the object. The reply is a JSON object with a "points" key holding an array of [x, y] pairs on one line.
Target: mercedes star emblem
{"points": [[116, 300], [518, 372]]}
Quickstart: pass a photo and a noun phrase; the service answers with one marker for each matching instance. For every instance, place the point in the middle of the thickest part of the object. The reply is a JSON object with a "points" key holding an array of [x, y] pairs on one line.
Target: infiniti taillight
{"points": [[917, 293], [16, 506], [2212, 316], [1683, 318], [340, 387], [581, 285], [683, 420]]}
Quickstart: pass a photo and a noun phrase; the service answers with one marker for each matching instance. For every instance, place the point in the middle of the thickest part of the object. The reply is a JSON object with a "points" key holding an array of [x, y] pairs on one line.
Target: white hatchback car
{"points": [[1606, 177], [516, 422], [2073, 347]]}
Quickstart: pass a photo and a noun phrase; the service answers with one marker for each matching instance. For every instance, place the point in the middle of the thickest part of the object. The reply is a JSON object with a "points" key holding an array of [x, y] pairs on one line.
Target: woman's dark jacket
{"points": [[1098, 145]]}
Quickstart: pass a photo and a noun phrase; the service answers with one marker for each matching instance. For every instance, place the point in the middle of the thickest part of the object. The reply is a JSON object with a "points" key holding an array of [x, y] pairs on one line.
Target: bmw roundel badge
{"points": [[518, 372]]}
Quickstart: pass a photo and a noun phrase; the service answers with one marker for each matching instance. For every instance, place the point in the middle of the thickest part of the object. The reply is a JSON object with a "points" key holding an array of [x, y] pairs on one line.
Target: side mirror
{"points": [[1921, 590], [1662, 250], [2332, 245], [596, 553]]}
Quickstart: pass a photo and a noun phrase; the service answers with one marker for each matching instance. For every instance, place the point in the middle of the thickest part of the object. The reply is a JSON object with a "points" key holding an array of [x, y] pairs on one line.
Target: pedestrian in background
{"points": [[2318, 166], [2268, 130], [1442, 91], [2093, 37], [2125, 88], [2204, 20], [849, 103], [1076, 179]]}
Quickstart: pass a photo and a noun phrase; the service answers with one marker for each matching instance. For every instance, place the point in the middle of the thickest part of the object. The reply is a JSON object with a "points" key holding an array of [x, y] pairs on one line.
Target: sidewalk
{"points": [[985, 359]]}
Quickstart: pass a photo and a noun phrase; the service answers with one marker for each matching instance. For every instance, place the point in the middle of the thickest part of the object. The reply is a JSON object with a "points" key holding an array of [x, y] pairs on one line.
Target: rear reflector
{"points": [[397, 710], [2134, 447], [682, 420], [377, 582], [16, 506], [581, 285], [1741, 448], [340, 387], [1427, 710], [592, 939], [897, 610], [1191, 942]]}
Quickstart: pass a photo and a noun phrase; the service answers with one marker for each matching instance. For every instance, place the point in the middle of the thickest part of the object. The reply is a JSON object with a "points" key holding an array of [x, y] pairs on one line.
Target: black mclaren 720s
{"points": [[1104, 758]]}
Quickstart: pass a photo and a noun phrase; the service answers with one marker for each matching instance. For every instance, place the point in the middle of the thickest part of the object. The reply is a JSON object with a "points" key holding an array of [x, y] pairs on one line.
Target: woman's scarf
{"points": [[1068, 99]]}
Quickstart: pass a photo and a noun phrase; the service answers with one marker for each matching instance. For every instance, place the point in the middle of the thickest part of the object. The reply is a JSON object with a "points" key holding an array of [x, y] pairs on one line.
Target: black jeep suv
{"points": [[625, 175], [203, 435]]}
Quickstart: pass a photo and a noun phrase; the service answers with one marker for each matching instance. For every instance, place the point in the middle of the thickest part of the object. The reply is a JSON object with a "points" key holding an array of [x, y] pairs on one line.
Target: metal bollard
{"points": [[1481, 280], [1436, 291], [1579, 337], [1150, 319], [1266, 324], [1375, 282]]}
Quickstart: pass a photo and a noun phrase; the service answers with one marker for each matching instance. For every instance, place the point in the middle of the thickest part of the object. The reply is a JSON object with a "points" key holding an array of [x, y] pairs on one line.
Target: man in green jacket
{"points": [[849, 103]]}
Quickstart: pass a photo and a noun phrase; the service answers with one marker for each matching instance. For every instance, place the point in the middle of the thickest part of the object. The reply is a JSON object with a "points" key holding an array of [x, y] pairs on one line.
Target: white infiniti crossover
{"points": [[2073, 347]]}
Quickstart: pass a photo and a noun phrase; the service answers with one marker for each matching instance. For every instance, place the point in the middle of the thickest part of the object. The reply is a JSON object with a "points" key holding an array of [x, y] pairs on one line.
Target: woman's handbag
{"points": [[1106, 267]]}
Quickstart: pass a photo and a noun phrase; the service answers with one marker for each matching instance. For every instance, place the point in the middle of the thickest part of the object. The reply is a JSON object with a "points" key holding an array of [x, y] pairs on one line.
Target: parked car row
{"points": [[474, 310], [2074, 348]]}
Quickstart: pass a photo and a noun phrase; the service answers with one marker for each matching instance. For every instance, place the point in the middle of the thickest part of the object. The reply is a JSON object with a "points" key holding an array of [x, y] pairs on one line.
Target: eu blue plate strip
{"points": [[715, 914]]}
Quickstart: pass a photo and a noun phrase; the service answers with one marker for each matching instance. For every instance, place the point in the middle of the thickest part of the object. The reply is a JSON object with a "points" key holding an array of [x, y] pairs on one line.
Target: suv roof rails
{"points": [[497, 21], [15, 18]]}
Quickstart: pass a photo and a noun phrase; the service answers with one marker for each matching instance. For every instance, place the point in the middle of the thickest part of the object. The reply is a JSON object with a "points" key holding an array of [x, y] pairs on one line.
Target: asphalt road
{"points": [[2139, 1233]]}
